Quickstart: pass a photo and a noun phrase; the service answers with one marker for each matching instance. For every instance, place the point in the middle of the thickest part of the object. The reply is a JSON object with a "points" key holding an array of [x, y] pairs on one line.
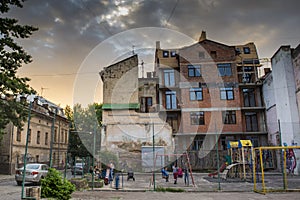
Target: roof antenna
{"points": [[42, 89], [132, 49], [142, 64]]}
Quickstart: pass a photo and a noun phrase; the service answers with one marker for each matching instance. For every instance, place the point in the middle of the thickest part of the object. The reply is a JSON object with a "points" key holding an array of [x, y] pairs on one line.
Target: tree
{"points": [[12, 57], [84, 121]]}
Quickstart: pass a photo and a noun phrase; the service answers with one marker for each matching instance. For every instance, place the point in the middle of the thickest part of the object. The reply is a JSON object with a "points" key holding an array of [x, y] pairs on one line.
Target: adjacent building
{"points": [[47, 122], [211, 94], [281, 97], [130, 120]]}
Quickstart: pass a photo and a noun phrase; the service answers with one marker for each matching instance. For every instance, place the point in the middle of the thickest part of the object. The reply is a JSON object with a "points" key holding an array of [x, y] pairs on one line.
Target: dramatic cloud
{"points": [[70, 29]]}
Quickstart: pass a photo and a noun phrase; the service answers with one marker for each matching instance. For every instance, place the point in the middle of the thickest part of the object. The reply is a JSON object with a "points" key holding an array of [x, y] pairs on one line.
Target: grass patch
{"points": [[162, 189]]}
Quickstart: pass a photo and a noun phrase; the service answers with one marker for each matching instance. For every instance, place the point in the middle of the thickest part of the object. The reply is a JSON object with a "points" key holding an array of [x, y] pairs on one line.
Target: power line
{"points": [[172, 12], [66, 74]]}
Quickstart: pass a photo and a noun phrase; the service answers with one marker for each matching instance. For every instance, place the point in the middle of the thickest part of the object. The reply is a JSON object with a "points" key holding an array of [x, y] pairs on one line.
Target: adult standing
{"points": [[112, 167], [186, 176], [175, 173]]}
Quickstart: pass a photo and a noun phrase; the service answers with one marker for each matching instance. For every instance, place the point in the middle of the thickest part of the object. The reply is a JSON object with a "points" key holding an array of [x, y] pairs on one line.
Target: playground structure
{"points": [[185, 155], [288, 164], [238, 163]]}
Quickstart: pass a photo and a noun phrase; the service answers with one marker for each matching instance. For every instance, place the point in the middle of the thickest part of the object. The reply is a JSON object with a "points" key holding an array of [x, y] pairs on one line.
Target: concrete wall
{"points": [[120, 82], [284, 92], [127, 130], [285, 98]]}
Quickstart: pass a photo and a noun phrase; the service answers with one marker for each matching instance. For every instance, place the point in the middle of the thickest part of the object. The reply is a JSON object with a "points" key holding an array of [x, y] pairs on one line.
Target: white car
{"points": [[34, 173], [78, 168]]}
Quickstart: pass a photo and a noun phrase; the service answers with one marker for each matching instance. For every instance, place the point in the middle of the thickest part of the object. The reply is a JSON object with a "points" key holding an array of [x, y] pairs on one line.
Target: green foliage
{"points": [[106, 157], [12, 57], [162, 189], [54, 186], [84, 121]]}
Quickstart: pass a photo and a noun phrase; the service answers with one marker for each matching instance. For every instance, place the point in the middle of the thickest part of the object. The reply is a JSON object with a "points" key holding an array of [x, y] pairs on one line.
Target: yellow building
{"points": [[43, 115]]}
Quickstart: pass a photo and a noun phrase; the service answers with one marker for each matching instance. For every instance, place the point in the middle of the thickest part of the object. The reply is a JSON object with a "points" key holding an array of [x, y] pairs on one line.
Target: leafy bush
{"points": [[162, 189], [54, 186]]}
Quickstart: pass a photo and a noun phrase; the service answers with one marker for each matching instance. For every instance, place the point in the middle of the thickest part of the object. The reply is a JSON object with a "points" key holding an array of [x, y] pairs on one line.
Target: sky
{"points": [[77, 38]]}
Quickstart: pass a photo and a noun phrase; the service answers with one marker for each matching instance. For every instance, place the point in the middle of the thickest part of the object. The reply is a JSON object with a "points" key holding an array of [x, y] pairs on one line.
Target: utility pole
{"points": [[153, 147], [142, 64], [26, 149], [52, 138]]}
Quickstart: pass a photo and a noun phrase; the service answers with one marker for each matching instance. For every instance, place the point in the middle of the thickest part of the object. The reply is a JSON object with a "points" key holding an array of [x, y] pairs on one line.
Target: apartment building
{"points": [[44, 116], [211, 94]]}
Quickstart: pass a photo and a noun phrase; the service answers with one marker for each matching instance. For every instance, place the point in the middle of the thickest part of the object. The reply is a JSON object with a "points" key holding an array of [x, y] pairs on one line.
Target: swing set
{"points": [[240, 154], [177, 156]]}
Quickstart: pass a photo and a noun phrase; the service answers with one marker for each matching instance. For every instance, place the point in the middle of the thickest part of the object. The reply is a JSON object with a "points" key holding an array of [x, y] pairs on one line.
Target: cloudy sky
{"points": [[71, 30]]}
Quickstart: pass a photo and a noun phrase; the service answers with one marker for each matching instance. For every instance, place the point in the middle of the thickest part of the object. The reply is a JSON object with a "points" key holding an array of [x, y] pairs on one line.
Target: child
{"points": [[165, 174]]}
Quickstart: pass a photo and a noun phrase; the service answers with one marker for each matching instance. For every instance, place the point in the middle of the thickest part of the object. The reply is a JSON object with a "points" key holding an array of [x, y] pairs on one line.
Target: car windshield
{"points": [[32, 166]]}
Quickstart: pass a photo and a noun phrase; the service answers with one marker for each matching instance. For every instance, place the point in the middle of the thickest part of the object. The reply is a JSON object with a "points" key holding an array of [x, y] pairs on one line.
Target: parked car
{"points": [[35, 172], [78, 168]]}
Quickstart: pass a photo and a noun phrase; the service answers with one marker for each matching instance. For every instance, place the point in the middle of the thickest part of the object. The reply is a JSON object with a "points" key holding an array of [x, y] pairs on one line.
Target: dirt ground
{"points": [[118, 195]]}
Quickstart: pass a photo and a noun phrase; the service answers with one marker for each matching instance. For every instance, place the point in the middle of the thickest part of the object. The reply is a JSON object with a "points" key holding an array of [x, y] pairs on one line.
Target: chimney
{"points": [[35, 100], [203, 36], [157, 44]]}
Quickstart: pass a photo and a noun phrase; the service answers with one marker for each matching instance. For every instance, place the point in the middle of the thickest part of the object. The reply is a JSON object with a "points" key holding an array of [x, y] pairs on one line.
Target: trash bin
{"points": [[34, 192], [117, 181]]}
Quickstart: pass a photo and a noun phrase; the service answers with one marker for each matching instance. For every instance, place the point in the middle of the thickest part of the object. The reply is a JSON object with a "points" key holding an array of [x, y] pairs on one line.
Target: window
{"points": [[38, 137], [171, 100], [165, 54], [197, 118], [19, 135], [196, 94], [226, 93], [62, 136], [46, 138], [224, 69], [197, 143], [146, 104], [29, 136], [246, 78], [249, 97], [248, 69], [213, 54], [66, 137], [229, 117], [194, 70], [169, 77], [55, 134], [172, 120], [201, 54], [173, 53], [246, 50], [251, 121]]}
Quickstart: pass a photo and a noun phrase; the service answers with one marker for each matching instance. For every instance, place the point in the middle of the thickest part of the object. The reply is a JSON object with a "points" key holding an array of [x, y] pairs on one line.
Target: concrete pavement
{"points": [[202, 183]]}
